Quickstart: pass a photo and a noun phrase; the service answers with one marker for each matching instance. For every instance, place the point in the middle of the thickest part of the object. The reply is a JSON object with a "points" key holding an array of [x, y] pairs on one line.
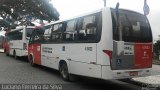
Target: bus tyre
{"points": [[31, 60], [14, 54], [64, 71], [7, 54]]}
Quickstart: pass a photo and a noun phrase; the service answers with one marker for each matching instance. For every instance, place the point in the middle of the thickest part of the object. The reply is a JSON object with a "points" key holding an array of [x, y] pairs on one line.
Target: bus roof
{"points": [[21, 27], [85, 14], [59, 21]]}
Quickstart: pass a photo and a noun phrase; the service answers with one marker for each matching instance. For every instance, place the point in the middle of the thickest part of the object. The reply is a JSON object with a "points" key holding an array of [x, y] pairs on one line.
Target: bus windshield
{"points": [[135, 26], [15, 35], [29, 31]]}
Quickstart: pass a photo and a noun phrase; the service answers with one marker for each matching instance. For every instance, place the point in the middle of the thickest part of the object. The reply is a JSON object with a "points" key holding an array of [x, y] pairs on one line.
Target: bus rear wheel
{"points": [[14, 54], [64, 71], [31, 60], [7, 54]]}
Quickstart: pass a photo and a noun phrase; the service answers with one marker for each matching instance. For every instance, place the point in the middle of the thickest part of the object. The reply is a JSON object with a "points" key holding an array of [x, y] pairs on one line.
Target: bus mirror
{"points": [[146, 8], [117, 10], [27, 38]]}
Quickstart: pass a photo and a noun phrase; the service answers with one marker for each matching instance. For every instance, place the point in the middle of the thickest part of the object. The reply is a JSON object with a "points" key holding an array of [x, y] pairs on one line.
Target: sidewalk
{"points": [[155, 79]]}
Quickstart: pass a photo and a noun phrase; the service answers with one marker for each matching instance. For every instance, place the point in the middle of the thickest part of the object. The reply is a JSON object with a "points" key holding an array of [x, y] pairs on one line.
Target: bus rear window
{"points": [[135, 27], [15, 35]]}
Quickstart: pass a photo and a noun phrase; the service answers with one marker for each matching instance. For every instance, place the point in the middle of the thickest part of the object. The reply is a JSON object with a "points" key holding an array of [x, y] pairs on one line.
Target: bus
{"points": [[92, 45], [2, 41], [6, 44], [16, 43]]}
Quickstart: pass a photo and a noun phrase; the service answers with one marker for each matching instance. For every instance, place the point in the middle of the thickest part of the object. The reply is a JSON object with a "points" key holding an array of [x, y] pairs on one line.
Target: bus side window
{"points": [[31, 40], [87, 28], [47, 33], [90, 31], [70, 32], [56, 33], [38, 36]]}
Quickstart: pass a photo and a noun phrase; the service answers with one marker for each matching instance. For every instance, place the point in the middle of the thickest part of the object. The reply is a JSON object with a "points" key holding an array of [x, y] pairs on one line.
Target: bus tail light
{"points": [[109, 53], [25, 46]]}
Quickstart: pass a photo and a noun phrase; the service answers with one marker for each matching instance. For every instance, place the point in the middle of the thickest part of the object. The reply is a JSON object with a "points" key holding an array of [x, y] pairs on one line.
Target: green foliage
{"points": [[16, 10], [156, 47]]}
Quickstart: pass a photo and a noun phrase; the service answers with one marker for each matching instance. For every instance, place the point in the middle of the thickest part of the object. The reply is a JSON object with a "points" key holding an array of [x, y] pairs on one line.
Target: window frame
{"points": [[74, 30], [60, 26], [77, 26], [13, 34]]}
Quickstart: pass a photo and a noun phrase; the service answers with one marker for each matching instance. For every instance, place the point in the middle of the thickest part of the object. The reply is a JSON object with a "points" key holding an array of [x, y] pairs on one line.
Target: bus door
{"points": [[6, 44], [37, 53], [35, 46], [46, 53]]}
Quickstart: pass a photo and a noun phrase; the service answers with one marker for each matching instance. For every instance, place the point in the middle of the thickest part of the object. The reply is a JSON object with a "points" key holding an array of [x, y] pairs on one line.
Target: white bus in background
{"points": [[17, 40], [91, 45]]}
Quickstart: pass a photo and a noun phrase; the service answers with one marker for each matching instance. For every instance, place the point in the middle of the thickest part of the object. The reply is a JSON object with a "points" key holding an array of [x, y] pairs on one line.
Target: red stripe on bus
{"points": [[143, 56]]}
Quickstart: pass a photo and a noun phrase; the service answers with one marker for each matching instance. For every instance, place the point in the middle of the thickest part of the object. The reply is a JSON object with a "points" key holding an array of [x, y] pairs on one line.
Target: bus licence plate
{"points": [[133, 73]]}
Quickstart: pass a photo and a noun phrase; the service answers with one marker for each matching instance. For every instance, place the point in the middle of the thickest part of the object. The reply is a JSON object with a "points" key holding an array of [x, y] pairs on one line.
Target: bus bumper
{"points": [[122, 74]]}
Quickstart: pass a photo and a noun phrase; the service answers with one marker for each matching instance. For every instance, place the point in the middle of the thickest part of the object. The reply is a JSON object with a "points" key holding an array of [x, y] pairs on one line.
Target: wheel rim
{"points": [[64, 71], [31, 60]]}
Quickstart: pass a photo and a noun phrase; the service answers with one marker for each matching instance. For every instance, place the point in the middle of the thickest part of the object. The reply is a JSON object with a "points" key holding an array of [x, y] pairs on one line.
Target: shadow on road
{"points": [[86, 83]]}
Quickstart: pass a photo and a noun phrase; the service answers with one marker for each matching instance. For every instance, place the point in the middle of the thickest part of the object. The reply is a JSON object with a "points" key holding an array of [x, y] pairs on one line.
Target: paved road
{"points": [[20, 72], [155, 70]]}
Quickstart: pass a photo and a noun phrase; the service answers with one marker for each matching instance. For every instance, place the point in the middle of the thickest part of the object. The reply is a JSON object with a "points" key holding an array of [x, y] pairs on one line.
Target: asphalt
{"points": [[20, 72]]}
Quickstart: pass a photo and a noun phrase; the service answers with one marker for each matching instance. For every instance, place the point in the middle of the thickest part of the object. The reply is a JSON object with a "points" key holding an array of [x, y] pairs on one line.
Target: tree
{"points": [[156, 48], [25, 10]]}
